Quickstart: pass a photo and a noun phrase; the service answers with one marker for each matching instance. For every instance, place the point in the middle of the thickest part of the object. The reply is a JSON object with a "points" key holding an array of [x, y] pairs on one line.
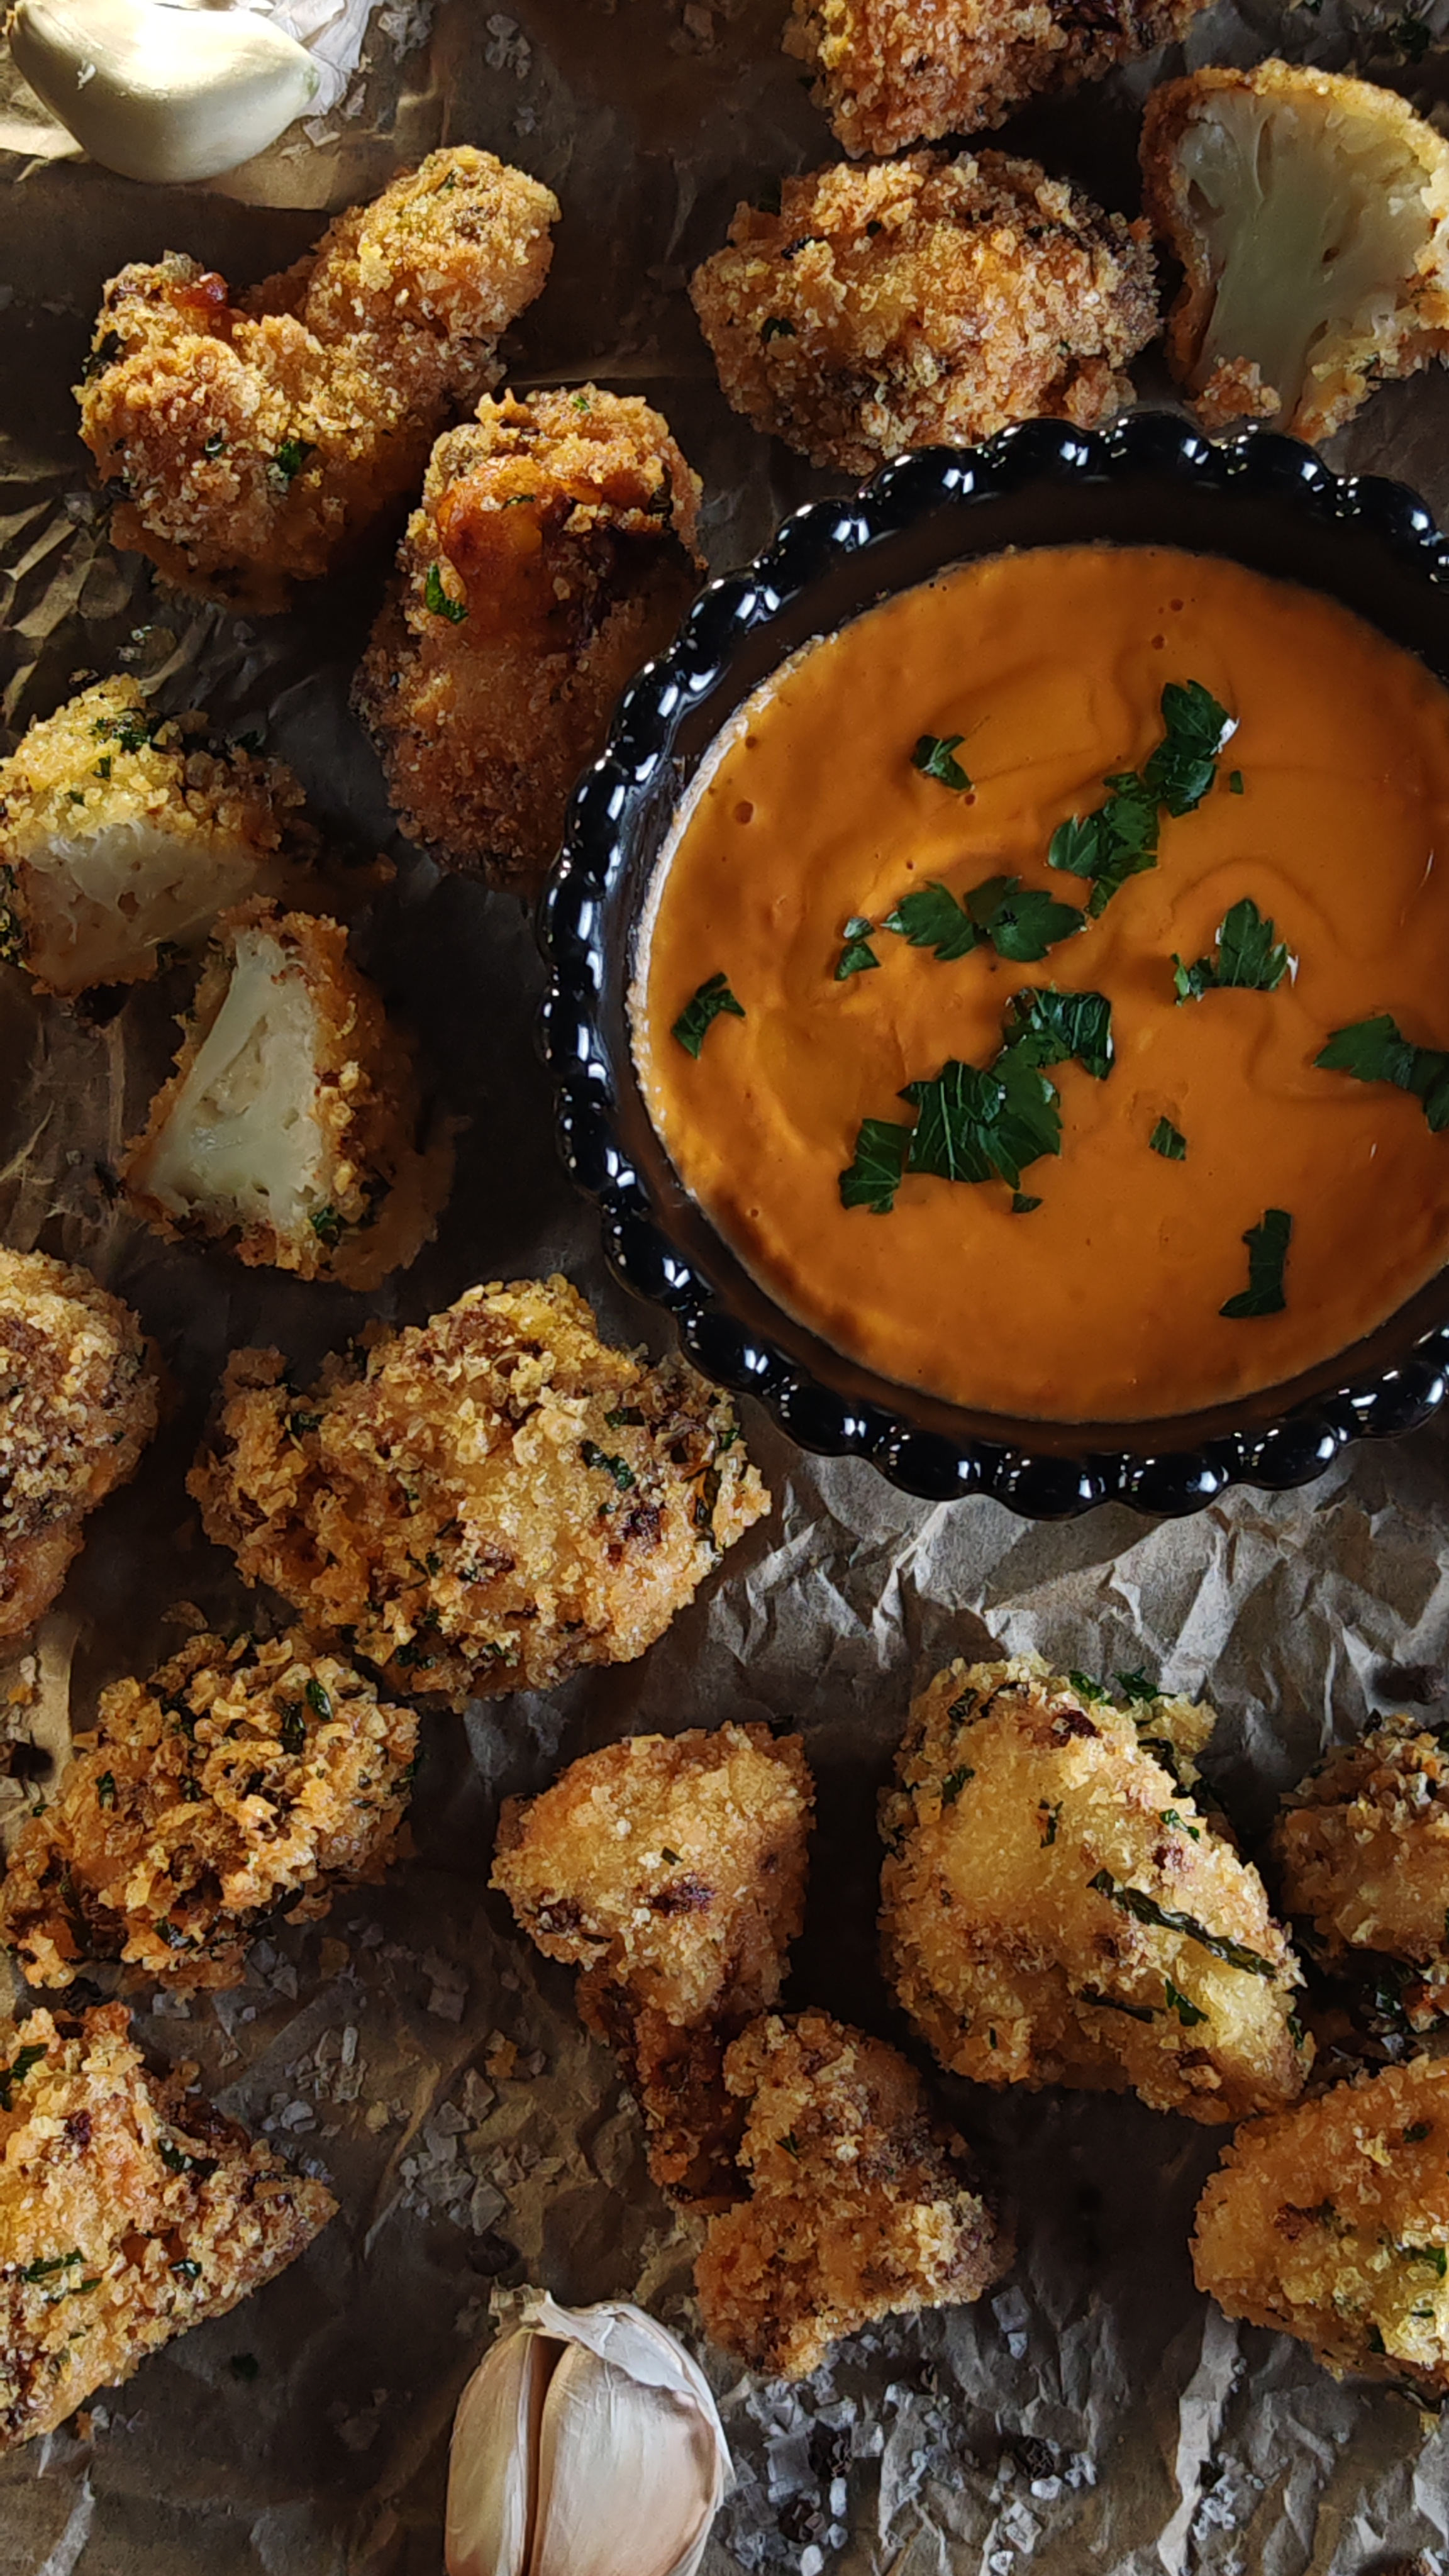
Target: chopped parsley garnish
{"points": [[439, 602], [932, 917], [1168, 1141], [1418, 2130], [290, 458], [292, 1733], [879, 1166], [777, 328], [1247, 956], [593, 1456], [326, 1224], [1116, 842], [1376, 1051], [47, 2266], [954, 1783], [319, 1699], [1020, 923], [1022, 1204], [17, 2070], [1188, 2013], [1145, 1909], [857, 956], [790, 2142], [130, 731], [1057, 1028], [1267, 1252], [1135, 1687], [702, 1010], [1113, 2003], [1235, 783], [621, 1414], [934, 757], [177, 2161], [106, 1789], [1088, 1688], [215, 445], [1177, 1824], [1182, 769], [1435, 2254]]}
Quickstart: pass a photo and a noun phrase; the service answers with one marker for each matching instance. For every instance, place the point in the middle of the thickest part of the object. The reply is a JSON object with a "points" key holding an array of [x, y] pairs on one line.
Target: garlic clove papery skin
{"points": [[586, 2444], [159, 93]]}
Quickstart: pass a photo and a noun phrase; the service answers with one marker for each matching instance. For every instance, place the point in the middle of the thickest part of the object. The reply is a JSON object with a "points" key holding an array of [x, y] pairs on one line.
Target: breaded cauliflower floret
{"points": [[255, 444], [485, 1502], [862, 2205], [671, 1869], [129, 2210], [123, 834], [292, 1122], [1059, 1910], [554, 552], [237, 1780], [906, 71], [1311, 216], [924, 301], [78, 1403], [1331, 2222], [1362, 1852]]}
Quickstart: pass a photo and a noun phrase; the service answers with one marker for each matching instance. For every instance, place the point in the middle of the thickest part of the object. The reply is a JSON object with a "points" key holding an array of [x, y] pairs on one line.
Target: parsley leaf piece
{"points": [[1145, 1909], [106, 1789], [17, 2070], [1235, 783], [1168, 1141], [931, 917], [326, 1224], [1088, 1689], [47, 2266], [954, 1783], [1135, 1686], [290, 458], [1412, 2135], [1055, 1028], [1247, 956], [1116, 842], [777, 328], [1377, 1051], [1188, 2013], [880, 1160], [1179, 773], [319, 1699], [973, 1125], [593, 1456], [1022, 923], [702, 1010], [933, 757], [1021, 1205], [857, 956], [1267, 1252], [439, 602], [292, 1733]]}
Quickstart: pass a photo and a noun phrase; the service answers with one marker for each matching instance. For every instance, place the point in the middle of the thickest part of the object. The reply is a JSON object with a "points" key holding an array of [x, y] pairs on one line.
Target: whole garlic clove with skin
{"points": [[585, 2444], [162, 93]]}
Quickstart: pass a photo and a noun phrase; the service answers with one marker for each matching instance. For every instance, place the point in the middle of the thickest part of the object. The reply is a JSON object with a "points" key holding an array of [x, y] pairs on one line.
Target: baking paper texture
{"points": [[1094, 2410]]}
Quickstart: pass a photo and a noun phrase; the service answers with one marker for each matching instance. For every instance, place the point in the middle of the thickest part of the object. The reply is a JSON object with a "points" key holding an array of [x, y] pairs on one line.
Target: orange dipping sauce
{"points": [[1103, 1303]]}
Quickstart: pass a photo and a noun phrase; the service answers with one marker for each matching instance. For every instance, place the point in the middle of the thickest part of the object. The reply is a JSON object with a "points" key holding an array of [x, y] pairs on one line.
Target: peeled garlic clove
{"points": [[162, 93], [604, 2451]]}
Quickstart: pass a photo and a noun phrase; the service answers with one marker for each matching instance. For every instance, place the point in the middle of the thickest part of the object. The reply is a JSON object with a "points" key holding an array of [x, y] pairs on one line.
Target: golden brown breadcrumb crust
{"points": [[861, 2206], [255, 443], [194, 824], [485, 1502], [78, 1403], [1058, 1909], [129, 2210], [1362, 1852], [931, 299], [1389, 328], [895, 72], [372, 1198], [671, 1870], [237, 1780], [553, 553], [1331, 2222]]}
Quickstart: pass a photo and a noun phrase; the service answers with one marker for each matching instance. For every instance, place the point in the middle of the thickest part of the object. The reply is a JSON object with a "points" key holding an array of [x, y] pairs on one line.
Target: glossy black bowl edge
{"points": [[1291, 1450]]}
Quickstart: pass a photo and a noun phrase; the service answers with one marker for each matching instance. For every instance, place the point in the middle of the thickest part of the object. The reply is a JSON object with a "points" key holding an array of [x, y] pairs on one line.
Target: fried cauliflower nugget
{"points": [[671, 1870], [293, 1121], [928, 300], [1311, 217], [1331, 2222], [237, 1780], [1362, 1852], [123, 834], [129, 2210], [1058, 1909], [894, 72], [553, 553], [255, 444], [861, 2206], [485, 1502], [78, 1403]]}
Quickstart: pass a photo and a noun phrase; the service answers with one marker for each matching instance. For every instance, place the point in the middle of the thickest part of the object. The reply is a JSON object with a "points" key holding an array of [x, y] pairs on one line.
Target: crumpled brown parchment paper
{"points": [[1094, 2411]]}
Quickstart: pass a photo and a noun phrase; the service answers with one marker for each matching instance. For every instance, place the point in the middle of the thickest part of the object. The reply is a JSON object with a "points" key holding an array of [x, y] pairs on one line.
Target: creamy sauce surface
{"points": [[1103, 1304]]}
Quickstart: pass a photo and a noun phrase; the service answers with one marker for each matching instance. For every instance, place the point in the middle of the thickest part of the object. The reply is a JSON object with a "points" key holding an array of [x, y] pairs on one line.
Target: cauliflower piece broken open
{"points": [[123, 834], [1311, 215], [292, 1119]]}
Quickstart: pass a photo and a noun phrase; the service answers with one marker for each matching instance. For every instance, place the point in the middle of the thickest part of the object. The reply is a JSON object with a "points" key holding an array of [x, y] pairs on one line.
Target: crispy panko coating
{"points": [[671, 1870], [78, 1403], [895, 72], [862, 2205], [485, 1502], [1331, 2222], [124, 834], [129, 2210], [1059, 1910], [237, 1780], [254, 444], [1310, 213], [1362, 1853], [924, 301], [553, 553], [293, 1121]]}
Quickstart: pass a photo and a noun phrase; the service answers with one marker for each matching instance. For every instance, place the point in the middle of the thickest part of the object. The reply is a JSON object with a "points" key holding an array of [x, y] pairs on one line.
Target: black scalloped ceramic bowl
{"points": [[1263, 500]]}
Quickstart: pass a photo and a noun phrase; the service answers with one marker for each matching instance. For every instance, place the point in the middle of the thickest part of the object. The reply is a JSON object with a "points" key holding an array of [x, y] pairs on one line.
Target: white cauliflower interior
{"points": [[100, 903], [243, 1140], [1311, 214]]}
